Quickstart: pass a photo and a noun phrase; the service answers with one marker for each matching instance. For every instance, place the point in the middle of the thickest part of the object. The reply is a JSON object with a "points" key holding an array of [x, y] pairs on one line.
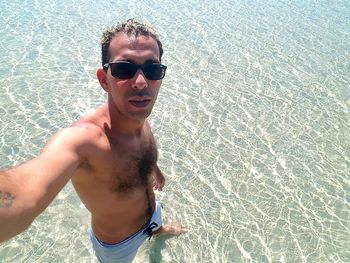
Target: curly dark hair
{"points": [[132, 28]]}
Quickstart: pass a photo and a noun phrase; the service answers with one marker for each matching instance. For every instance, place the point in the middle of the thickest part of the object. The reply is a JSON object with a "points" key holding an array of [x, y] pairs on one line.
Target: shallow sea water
{"points": [[252, 122]]}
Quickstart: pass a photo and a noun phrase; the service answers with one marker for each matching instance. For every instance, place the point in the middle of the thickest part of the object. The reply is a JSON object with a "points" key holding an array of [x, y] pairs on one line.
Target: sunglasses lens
{"points": [[123, 70], [126, 70], [154, 71]]}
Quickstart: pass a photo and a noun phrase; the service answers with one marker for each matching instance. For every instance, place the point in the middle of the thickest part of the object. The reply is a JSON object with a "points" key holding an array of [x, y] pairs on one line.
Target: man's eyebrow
{"points": [[125, 60], [151, 61], [148, 61]]}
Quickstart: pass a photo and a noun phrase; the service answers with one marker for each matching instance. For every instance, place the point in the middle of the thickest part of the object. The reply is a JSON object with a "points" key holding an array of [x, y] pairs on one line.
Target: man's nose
{"points": [[140, 80]]}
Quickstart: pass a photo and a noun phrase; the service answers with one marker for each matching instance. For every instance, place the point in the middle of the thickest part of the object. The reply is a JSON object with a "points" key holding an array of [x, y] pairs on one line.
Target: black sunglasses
{"points": [[126, 70]]}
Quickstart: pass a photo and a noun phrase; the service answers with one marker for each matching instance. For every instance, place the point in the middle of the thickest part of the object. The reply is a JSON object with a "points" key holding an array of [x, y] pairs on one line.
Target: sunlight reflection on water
{"points": [[252, 124]]}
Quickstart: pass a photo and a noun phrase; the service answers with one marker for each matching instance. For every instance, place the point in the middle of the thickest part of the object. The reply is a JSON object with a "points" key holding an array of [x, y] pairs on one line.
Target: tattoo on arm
{"points": [[6, 199]]}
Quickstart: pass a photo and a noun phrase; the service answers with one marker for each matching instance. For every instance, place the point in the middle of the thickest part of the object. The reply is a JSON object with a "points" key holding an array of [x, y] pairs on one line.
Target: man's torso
{"points": [[114, 180]]}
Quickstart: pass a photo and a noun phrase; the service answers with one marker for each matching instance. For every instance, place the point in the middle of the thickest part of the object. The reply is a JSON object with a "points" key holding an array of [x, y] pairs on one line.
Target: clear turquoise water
{"points": [[252, 123]]}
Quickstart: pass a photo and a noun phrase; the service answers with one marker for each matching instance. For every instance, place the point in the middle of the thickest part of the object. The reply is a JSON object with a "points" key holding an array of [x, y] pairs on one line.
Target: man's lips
{"points": [[139, 102]]}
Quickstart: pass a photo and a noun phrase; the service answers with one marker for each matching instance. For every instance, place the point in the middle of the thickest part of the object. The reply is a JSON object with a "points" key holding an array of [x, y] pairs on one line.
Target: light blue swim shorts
{"points": [[125, 251]]}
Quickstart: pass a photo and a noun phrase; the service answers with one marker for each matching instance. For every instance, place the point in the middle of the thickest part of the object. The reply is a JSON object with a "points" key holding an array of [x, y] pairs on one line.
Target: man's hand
{"points": [[158, 179]]}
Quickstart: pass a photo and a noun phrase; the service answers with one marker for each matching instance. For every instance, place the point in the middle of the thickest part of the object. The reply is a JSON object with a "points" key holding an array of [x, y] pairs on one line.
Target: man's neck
{"points": [[122, 125]]}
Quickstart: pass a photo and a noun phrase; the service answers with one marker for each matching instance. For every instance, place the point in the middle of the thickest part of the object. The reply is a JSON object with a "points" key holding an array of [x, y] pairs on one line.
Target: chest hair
{"points": [[137, 169]]}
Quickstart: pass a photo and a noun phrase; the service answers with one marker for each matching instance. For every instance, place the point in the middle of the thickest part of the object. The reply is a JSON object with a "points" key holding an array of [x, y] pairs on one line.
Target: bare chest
{"points": [[126, 168]]}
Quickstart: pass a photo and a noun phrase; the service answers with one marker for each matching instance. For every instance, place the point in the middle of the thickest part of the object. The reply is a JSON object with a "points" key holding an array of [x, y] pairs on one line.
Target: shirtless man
{"points": [[110, 155]]}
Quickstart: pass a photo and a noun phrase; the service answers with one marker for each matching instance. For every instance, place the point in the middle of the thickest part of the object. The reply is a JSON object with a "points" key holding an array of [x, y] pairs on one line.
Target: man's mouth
{"points": [[139, 103]]}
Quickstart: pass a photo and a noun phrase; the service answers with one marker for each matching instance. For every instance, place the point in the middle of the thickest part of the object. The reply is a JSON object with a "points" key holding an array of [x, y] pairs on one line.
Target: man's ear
{"points": [[102, 78]]}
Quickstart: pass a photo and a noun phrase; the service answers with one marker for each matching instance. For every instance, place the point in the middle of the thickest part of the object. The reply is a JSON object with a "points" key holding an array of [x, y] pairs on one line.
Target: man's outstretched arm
{"points": [[26, 190]]}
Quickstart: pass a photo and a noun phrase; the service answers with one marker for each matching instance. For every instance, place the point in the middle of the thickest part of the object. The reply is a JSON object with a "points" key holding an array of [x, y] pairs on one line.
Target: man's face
{"points": [[133, 98]]}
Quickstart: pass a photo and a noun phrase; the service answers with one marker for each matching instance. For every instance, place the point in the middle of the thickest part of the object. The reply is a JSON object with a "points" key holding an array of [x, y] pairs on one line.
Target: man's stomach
{"points": [[115, 216]]}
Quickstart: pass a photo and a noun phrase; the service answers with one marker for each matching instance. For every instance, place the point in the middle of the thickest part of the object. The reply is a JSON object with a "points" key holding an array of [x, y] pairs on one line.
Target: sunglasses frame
{"points": [[136, 67]]}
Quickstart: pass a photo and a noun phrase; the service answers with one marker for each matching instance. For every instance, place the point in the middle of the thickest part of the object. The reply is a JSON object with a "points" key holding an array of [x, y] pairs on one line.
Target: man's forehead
{"points": [[122, 43]]}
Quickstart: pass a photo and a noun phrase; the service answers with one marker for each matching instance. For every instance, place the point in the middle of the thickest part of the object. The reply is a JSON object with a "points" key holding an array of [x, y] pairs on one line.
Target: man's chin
{"points": [[140, 115]]}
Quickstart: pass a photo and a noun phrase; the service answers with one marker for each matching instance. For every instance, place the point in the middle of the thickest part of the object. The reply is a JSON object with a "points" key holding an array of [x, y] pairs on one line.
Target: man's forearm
{"points": [[15, 217], [6, 199], [159, 177]]}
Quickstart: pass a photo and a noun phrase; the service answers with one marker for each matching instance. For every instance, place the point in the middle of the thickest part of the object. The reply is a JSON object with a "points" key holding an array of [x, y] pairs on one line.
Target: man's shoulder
{"points": [[81, 132], [90, 124], [84, 130], [77, 134]]}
